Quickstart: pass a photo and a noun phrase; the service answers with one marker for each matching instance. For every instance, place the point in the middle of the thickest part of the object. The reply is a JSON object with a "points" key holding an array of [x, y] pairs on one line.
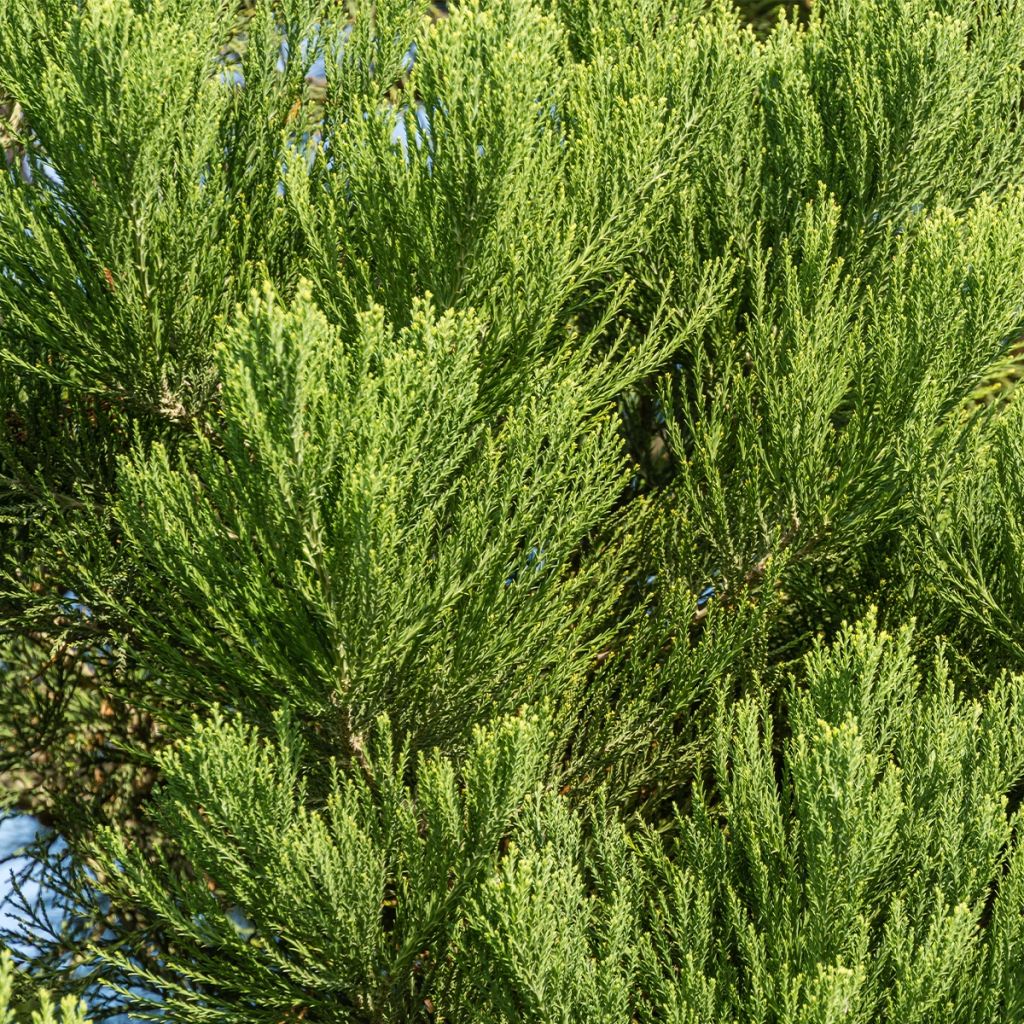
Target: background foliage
{"points": [[514, 513]]}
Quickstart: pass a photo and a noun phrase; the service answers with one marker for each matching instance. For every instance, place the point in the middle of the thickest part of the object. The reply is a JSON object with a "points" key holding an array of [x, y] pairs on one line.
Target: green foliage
{"points": [[436, 490], [382, 573], [862, 867], [854, 888], [38, 1008]]}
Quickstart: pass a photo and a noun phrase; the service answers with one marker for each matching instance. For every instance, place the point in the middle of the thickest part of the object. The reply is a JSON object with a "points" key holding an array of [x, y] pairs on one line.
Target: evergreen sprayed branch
{"points": [[36, 1008], [863, 867], [443, 453]]}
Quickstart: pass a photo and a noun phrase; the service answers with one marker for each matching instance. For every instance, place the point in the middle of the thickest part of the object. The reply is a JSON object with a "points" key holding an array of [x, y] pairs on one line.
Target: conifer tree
{"points": [[512, 511]]}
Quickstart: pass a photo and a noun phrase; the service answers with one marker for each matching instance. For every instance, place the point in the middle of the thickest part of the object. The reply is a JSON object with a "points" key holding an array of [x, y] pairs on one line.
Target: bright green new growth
{"points": [[70, 1010], [428, 564]]}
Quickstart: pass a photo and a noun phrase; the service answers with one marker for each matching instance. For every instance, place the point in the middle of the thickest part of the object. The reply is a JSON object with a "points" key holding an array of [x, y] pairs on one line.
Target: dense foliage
{"points": [[516, 513], [37, 1006]]}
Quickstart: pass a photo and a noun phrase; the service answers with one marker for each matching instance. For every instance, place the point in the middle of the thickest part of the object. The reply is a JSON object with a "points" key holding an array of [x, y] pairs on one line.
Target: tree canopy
{"points": [[515, 512]]}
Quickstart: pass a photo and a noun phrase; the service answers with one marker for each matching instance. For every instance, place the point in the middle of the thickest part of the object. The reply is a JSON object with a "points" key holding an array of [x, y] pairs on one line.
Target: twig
{"points": [[754, 575]]}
